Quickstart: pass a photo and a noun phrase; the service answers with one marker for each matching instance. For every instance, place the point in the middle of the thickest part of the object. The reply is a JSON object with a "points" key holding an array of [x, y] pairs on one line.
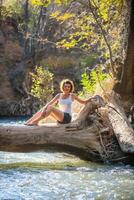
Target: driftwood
{"points": [[91, 136], [122, 128]]}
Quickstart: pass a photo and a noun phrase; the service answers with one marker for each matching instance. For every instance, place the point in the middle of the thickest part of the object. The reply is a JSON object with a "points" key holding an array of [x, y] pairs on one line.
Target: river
{"points": [[60, 176]]}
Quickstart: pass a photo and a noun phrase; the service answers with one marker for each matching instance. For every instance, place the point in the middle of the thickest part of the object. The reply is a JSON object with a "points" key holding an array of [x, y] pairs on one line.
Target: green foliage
{"points": [[93, 26], [48, 2], [11, 9], [96, 27], [90, 81], [42, 84], [15, 9], [41, 2], [62, 17], [67, 44], [87, 84], [108, 7]]}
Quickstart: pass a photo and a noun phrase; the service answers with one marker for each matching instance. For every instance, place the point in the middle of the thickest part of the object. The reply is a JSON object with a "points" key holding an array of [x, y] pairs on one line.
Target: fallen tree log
{"points": [[90, 136], [122, 128]]}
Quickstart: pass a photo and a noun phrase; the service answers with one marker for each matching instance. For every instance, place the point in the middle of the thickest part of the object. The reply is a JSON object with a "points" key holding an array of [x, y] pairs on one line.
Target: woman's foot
{"points": [[30, 124]]}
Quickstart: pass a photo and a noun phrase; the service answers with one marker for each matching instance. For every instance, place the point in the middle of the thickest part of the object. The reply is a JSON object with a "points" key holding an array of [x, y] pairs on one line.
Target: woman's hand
{"points": [[90, 99], [82, 101], [52, 102]]}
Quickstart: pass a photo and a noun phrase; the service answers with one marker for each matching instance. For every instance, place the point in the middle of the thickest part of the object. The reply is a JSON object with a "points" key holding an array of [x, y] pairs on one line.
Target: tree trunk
{"points": [[90, 136], [125, 86], [121, 126]]}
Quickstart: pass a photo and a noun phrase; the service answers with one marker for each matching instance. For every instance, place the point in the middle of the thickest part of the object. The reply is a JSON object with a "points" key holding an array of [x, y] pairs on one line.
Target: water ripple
{"points": [[27, 176]]}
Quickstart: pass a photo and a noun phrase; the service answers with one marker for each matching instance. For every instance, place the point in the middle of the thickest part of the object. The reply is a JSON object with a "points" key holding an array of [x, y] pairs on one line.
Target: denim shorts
{"points": [[67, 119]]}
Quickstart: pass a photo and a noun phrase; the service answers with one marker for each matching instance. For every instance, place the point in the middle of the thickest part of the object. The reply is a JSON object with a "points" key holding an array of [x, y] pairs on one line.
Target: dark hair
{"points": [[67, 81]]}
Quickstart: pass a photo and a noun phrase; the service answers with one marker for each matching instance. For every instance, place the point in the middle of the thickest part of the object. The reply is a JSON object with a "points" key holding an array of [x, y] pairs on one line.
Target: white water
{"points": [[92, 181]]}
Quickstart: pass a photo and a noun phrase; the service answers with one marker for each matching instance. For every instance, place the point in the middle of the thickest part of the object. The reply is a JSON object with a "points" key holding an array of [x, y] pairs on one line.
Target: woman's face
{"points": [[67, 87]]}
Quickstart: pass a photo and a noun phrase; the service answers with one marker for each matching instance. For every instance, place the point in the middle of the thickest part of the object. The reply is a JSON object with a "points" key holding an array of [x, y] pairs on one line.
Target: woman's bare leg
{"points": [[54, 112], [36, 115]]}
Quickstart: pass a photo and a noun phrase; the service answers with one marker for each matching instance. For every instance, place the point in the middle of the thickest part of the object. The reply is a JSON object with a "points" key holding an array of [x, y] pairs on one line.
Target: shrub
{"points": [[90, 81], [42, 84]]}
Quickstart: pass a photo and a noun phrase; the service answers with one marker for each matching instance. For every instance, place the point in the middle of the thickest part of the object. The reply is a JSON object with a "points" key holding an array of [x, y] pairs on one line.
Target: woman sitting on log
{"points": [[64, 99]]}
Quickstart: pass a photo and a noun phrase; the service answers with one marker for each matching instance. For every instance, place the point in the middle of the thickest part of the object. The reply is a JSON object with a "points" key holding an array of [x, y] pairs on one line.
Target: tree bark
{"points": [[121, 126], [125, 86], [90, 136]]}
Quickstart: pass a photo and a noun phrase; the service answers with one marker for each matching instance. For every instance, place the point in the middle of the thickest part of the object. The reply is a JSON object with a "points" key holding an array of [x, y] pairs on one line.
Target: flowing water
{"points": [[60, 176]]}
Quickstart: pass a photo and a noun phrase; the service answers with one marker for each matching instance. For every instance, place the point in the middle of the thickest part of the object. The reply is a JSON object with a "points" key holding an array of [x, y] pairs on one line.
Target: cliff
{"points": [[16, 63]]}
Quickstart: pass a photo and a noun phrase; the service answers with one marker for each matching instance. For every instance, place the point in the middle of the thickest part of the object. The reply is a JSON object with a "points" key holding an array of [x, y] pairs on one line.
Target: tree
{"points": [[91, 28], [125, 85]]}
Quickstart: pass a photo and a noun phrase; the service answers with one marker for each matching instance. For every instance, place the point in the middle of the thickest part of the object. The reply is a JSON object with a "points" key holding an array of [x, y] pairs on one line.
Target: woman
{"points": [[64, 99]]}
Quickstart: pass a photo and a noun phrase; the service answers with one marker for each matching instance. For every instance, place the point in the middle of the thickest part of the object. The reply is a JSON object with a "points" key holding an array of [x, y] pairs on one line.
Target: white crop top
{"points": [[65, 104]]}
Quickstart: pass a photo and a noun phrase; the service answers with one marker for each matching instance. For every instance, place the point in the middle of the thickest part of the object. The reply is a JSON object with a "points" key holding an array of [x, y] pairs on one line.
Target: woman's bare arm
{"points": [[82, 101], [52, 102]]}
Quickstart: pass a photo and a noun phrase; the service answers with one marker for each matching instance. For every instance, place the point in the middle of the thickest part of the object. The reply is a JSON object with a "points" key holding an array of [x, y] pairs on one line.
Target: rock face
{"points": [[15, 67], [11, 68], [10, 53]]}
